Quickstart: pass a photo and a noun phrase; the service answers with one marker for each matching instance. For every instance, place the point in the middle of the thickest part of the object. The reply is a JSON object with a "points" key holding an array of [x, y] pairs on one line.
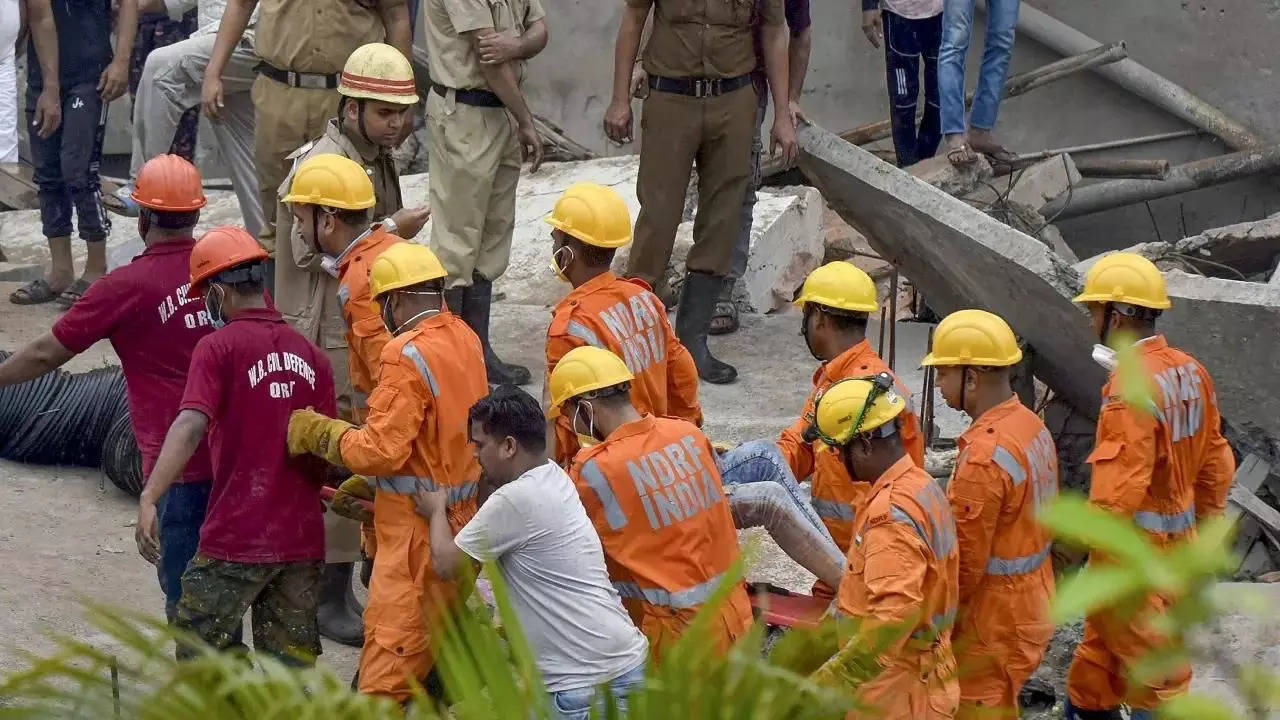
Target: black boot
{"points": [[693, 320], [1074, 713], [337, 609], [475, 311]]}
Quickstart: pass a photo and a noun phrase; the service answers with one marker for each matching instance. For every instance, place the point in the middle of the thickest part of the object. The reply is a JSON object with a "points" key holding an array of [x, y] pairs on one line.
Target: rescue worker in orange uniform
{"points": [[432, 372], [1161, 461], [1006, 471], [901, 580], [653, 492], [622, 315], [330, 197], [837, 299]]}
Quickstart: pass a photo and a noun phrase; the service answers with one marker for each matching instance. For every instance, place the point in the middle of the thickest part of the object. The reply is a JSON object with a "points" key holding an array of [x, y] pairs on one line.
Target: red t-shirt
{"points": [[247, 378], [143, 309]]}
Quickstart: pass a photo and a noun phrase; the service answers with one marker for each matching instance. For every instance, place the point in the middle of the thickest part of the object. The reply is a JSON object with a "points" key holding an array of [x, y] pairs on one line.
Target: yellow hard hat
{"points": [[582, 370], [856, 406], [378, 71], [332, 181], [1125, 278], [402, 265], [593, 214], [973, 337], [840, 285]]}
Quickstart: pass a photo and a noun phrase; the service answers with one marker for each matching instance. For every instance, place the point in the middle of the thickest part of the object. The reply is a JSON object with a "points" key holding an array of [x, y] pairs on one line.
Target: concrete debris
{"points": [[957, 180], [845, 243], [1027, 219], [960, 258], [1233, 251], [15, 272], [1032, 186]]}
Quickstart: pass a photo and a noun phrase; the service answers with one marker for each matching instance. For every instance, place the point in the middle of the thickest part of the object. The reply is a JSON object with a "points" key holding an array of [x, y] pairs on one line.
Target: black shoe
{"points": [[1074, 713], [693, 321], [366, 569], [337, 609], [475, 311]]}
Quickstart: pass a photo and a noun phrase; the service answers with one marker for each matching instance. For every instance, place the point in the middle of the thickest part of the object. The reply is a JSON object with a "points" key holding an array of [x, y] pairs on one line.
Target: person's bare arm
{"points": [[501, 79], [180, 444], [235, 20], [44, 34], [36, 358], [798, 62], [395, 20], [774, 38], [617, 119], [446, 556], [114, 80]]}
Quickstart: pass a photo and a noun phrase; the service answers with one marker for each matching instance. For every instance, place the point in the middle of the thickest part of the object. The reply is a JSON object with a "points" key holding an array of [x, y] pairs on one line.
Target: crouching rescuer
{"points": [[900, 584], [415, 436], [1006, 471]]}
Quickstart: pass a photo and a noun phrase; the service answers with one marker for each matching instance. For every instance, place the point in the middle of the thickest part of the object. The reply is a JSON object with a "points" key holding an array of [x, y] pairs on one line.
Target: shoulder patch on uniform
{"points": [[560, 317], [306, 148], [979, 452]]}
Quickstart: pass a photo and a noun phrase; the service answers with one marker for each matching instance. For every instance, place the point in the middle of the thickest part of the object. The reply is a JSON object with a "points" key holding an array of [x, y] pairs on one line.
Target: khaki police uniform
{"points": [[472, 147], [303, 46], [307, 296], [701, 109]]}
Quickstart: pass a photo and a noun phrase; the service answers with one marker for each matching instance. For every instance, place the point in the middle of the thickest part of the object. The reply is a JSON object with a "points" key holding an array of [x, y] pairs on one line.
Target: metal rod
{"points": [[1137, 79], [884, 310], [1183, 178], [926, 416], [1123, 168], [1015, 86], [893, 318], [1110, 144]]}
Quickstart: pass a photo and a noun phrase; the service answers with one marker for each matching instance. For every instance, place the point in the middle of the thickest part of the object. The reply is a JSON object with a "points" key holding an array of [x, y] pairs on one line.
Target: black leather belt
{"points": [[313, 81], [475, 97], [698, 87]]}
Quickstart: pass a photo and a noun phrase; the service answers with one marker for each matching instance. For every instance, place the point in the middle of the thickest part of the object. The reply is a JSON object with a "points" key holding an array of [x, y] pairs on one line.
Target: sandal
{"points": [[962, 155], [36, 292], [72, 294]]}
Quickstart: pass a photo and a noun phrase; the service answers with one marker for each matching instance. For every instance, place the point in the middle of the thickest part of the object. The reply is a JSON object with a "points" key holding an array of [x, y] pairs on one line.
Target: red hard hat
{"points": [[221, 248], [169, 183]]}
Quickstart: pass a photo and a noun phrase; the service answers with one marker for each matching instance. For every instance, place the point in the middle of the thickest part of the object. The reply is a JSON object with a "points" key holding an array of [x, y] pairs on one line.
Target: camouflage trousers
{"points": [[157, 31], [216, 594]]}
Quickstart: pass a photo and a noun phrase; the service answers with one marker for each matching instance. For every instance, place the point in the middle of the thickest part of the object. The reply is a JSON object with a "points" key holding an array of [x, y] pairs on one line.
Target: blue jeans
{"points": [[576, 704], [957, 25], [181, 513], [761, 461]]}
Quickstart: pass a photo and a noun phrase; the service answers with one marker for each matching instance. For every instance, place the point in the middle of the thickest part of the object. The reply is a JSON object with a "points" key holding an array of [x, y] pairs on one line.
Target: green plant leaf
{"points": [[1197, 706], [1095, 587]]}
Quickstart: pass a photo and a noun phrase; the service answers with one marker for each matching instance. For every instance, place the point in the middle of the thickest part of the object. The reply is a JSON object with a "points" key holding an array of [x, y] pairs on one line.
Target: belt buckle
{"points": [[311, 81]]}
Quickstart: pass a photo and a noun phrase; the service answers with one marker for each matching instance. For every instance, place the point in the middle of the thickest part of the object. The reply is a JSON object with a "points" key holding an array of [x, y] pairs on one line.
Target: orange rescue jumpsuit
{"points": [[835, 494], [366, 335], [653, 492], [1007, 470], [901, 583], [623, 316], [1166, 466], [416, 432]]}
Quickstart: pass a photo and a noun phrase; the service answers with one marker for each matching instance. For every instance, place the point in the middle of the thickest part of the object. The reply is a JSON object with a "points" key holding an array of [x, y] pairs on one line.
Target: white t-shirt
{"points": [[550, 555]]}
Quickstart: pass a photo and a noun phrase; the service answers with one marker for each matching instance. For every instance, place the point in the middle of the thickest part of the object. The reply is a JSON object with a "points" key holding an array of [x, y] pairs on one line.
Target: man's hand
{"points": [[530, 146], [211, 95], [114, 81], [617, 121], [639, 80], [496, 48], [48, 114], [783, 137], [873, 27], [797, 115], [409, 221], [431, 502], [147, 533]]}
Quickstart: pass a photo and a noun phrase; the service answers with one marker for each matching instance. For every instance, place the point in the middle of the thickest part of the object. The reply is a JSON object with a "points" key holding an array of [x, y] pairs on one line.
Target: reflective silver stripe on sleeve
{"points": [[1018, 565], [407, 484], [900, 515], [584, 333], [400, 484], [832, 510], [937, 624], [690, 597], [1010, 464], [1157, 522], [344, 294], [612, 509], [411, 352]]}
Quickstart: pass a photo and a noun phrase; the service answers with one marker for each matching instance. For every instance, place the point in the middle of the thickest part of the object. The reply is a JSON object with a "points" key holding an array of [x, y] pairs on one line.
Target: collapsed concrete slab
{"points": [[961, 258], [1249, 248]]}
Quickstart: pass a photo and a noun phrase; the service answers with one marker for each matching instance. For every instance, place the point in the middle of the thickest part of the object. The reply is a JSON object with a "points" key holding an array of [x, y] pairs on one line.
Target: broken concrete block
{"points": [[1244, 249], [957, 180], [1033, 186], [16, 272], [960, 258], [1029, 220]]}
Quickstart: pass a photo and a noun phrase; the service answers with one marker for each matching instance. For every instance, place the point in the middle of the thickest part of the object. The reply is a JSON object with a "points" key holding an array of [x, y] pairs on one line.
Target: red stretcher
{"points": [[327, 493], [777, 607]]}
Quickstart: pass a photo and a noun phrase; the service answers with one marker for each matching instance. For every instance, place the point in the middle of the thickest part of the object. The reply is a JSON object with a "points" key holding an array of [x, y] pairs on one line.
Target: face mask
{"points": [[556, 267], [1104, 356], [389, 320], [330, 265], [588, 439], [214, 308], [804, 330]]}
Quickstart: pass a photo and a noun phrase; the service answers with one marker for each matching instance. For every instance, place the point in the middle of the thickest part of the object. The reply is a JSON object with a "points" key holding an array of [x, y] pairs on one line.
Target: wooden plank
{"points": [[1253, 506], [17, 189]]}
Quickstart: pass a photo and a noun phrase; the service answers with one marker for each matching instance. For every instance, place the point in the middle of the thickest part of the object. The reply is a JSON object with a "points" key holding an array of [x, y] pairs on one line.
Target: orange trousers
{"points": [[663, 626], [921, 685], [405, 599], [1115, 641], [999, 643]]}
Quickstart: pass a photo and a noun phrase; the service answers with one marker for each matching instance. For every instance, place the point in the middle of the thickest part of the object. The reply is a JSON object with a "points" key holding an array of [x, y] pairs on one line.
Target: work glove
{"points": [[320, 435], [347, 501]]}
